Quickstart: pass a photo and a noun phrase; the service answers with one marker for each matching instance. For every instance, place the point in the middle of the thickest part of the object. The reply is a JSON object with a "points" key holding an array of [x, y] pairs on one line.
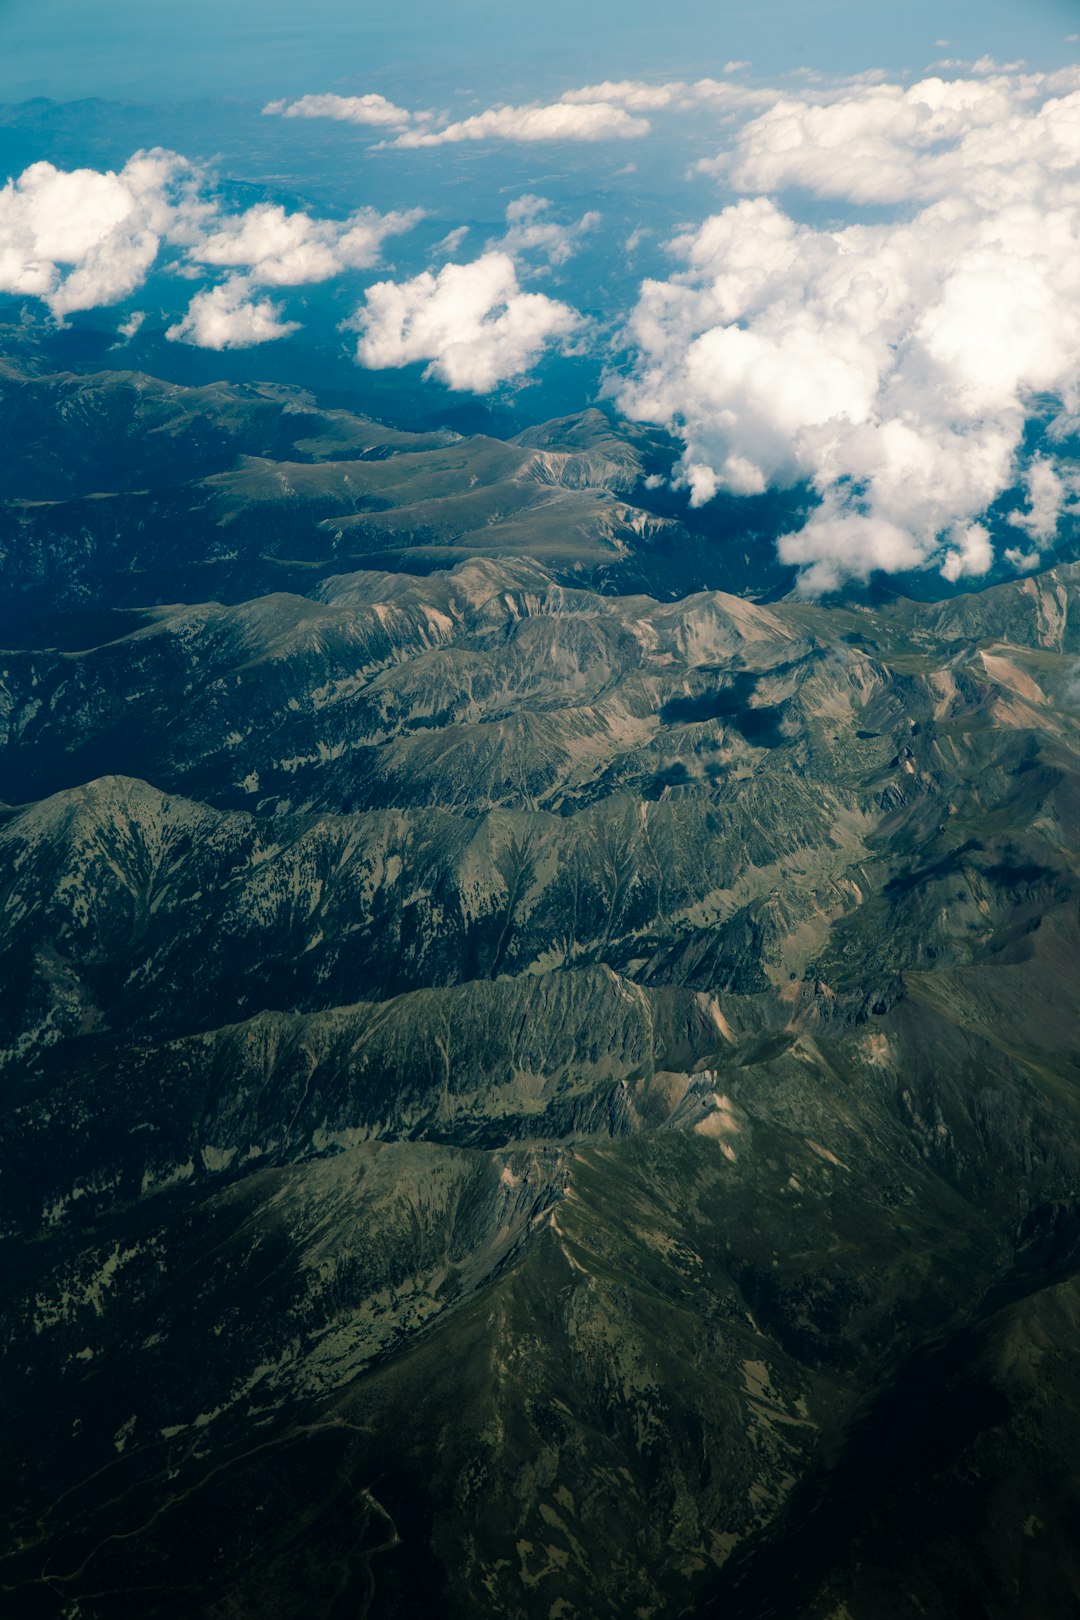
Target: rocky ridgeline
{"points": [[508, 1089]]}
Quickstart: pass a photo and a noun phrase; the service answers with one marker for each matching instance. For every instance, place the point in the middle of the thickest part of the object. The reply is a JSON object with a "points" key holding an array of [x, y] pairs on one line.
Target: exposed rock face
{"points": [[519, 1100]]}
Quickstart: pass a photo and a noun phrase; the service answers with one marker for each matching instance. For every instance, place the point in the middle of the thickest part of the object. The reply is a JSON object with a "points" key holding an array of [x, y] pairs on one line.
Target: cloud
{"points": [[678, 94], [529, 230], [279, 249], [559, 121], [451, 241], [610, 110], [892, 367], [80, 238], [471, 323], [1046, 492], [373, 110], [997, 138], [230, 317], [627, 93]]}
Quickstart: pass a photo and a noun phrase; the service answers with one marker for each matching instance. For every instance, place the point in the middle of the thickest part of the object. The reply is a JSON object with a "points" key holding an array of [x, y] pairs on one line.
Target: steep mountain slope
{"points": [[519, 1100], [121, 491]]}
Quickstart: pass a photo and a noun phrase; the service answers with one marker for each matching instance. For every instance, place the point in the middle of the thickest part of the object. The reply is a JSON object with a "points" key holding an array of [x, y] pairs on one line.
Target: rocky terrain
{"points": [[530, 1088]]}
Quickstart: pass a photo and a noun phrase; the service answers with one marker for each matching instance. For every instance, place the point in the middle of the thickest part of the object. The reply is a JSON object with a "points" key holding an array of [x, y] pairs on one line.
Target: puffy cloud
{"points": [[370, 109], [229, 317], [470, 322], [1050, 491], [530, 230], [971, 556], [595, 112], [79, 238], [679, 94], [559, 121], [279, 249], [936, 139], [82, 238], [628, 93], [891, 366]]}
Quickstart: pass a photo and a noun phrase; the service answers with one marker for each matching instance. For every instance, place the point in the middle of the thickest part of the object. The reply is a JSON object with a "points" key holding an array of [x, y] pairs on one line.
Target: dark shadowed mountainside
{"points": [[530, 1087]]}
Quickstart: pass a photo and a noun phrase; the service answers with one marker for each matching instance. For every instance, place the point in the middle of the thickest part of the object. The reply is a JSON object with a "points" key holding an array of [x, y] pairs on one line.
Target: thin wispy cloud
{"points": [[531, 230]]}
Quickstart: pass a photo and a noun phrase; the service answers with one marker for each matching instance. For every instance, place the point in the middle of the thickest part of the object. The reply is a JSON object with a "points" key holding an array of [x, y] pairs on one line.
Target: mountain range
{"points": [[540, 1067]]}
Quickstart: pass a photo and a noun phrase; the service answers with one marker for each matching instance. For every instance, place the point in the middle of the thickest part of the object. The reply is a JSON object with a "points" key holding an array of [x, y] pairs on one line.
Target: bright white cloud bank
{"points": [[471, 323], [82, 238], [370, 109], [598, 112], [557, 121], [279, 249], [891, 366], [230, 317]]}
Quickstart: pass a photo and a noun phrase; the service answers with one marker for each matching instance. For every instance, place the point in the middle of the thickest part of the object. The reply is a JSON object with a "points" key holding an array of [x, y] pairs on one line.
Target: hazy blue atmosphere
{"points": [[181, 48]]}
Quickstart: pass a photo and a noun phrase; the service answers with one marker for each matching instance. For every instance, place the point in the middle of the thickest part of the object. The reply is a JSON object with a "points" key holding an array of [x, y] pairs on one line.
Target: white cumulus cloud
{"points": [[370, 109], [611, 110], [82, 237], [230, 316], [890, 366], [636, 93], [678, 94], [1000, 139], [558, 121], [471, 323], [279, 249]]}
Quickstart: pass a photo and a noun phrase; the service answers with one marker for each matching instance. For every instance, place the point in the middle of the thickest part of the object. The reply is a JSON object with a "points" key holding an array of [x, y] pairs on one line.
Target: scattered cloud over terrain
{"points": [[280, 249], [892, 362], [230, 316], [891, 366], [612, 110], [471, 323], [556, 121], [83, 238], [531, 229], [370, 109], [1002, 138], [79, 238], [677, 94]]}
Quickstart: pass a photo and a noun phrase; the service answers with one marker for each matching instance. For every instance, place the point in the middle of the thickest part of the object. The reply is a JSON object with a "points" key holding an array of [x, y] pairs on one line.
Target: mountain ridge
{"points": [[522, 1096]]}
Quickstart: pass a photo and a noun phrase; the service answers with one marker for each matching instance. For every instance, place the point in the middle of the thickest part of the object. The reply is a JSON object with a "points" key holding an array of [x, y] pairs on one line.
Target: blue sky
{"points": [[176, 48]]}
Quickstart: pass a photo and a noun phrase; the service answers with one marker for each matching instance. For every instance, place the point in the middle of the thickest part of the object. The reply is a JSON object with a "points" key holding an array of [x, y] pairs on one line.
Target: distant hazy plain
{"points": [[180, 48]]}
